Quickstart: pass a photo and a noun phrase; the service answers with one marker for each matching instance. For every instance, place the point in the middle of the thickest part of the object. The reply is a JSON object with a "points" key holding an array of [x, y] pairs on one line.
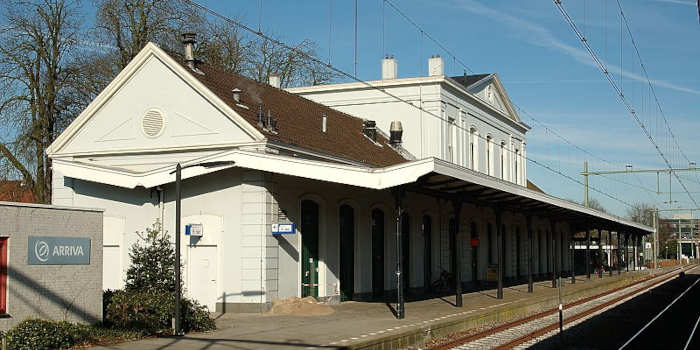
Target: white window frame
{"points": [[489, 155], [504, 161], [473, 149]]}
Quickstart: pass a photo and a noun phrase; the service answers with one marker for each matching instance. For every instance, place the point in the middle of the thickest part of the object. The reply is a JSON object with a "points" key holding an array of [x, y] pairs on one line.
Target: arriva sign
{"points": [[58, 251]]}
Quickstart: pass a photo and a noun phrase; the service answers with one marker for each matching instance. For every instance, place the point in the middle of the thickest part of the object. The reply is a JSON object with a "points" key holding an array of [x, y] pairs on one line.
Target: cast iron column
{"points": [[572, 265], [499, 239], [178, 204], [600, 252], [398, 199], [619, 254], [554, 254], [561, 253], [529, 254], [457, 207], [588, 252], [627, 252], [611, 249]]}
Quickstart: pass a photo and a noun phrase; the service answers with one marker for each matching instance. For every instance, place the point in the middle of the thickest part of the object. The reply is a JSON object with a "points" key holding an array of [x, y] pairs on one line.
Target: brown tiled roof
{"points": [[298, 119], [15, 191]]}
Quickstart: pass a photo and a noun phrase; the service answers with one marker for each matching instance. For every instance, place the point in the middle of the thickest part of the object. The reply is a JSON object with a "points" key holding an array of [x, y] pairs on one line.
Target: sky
{"points": [[546, 72]]}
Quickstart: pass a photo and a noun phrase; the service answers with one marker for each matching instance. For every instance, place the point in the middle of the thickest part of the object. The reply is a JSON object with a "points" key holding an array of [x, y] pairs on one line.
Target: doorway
{"points": [[406, 247], [346, 216], [202, 275], [309, 248], [427, 251], [377, 253]]}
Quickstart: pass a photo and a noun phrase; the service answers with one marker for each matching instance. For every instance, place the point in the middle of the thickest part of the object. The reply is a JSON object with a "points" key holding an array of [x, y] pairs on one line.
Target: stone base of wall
{"points": [[223, 308]]}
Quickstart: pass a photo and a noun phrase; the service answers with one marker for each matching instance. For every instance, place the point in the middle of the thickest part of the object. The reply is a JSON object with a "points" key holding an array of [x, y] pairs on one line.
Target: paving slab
{"points": [[372, 325]]}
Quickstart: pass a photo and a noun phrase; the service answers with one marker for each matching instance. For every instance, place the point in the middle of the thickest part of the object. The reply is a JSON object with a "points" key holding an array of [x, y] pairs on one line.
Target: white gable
{"points": [[491, 91], [154, 107]]}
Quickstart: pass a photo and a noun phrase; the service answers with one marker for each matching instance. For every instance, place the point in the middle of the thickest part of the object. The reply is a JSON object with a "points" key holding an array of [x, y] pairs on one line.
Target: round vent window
{"points": [[153, 123]]}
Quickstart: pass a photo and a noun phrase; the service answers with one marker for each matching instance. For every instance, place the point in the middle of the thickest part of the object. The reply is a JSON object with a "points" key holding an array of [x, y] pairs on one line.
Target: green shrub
{"points": [[35, 334], [152, 267], [152, 313]]}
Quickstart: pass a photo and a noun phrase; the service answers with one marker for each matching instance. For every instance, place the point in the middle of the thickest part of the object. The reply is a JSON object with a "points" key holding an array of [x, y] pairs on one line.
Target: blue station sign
{"points": [[284, 229], [58, 251]]}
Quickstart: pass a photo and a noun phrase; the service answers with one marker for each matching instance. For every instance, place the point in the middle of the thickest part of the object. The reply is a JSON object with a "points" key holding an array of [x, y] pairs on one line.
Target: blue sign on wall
{"points": [[58, 251], [284, 229]]}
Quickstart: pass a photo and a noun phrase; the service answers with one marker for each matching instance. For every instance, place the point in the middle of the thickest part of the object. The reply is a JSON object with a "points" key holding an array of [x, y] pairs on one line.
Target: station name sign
{"points": [[284, 228], [58, 250]]}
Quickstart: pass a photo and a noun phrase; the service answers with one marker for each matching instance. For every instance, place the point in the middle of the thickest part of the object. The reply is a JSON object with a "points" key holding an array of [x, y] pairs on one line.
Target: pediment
{"points": [[153, 106], [491, 91]]}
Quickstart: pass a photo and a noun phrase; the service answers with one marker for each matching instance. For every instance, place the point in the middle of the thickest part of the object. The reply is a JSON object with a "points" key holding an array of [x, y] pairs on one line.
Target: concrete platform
{"points": [[367, 325]]}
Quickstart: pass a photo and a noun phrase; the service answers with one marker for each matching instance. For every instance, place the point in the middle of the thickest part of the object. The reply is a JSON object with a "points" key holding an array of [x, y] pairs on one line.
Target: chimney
{"points": [[436, 66], [395, 131], [236, 95], [389, 68], [260, 116], [324, 122], [189, 39], [274, 80], [369, 128]]}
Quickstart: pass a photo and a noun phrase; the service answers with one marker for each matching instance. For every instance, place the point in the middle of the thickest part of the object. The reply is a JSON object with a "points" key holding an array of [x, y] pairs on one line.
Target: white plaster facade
{"points": [[453, 119], [105, 160]]}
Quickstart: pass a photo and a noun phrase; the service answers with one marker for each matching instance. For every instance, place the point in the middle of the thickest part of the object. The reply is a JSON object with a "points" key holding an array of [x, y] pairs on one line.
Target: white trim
{"points": [[439, 79], [150, 50], [47, 206], [373, 178]]}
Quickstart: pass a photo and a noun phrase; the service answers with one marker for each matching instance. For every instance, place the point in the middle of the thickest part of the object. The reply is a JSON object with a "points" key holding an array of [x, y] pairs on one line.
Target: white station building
{"points": [[284, 197]]}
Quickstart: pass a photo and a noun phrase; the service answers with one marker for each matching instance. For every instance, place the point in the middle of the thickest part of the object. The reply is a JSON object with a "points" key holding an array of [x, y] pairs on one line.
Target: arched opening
{"points": [[491, 245], [475, 250], [452, 230], [505, 254], [377, 253], [309, 248], [406, 247], [427, 251], [518, 255], [346, 218]]}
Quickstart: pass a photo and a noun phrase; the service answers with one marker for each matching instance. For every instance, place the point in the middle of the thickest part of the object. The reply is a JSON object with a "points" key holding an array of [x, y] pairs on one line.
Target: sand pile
{"points": [[294, 306]]}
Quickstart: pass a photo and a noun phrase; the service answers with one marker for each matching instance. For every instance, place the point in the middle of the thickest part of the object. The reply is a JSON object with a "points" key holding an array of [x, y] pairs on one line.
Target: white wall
{"points": [[425, 135]]}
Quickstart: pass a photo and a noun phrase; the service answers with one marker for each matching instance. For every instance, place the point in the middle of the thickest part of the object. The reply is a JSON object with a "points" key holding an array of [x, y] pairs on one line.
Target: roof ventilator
{"points": [[268, 123], [189, 39], [271, 124], [396, 131], [260, 116], [324, 122], [369, 128]]}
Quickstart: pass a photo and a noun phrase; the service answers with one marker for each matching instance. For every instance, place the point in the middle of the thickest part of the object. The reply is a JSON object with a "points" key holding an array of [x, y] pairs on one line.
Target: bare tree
{"points": [[293, 66], [35, 71], [641, 213], [224, 47], [129, 25], [595, 204]]}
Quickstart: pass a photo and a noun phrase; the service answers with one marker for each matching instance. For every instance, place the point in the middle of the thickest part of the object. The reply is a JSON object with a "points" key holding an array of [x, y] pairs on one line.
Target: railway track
{"points": [[529, 330]]}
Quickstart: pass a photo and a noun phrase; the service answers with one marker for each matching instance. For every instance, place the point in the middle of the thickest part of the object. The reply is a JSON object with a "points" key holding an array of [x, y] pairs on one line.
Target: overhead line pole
{"points": [[618, 90], [586, 173]]}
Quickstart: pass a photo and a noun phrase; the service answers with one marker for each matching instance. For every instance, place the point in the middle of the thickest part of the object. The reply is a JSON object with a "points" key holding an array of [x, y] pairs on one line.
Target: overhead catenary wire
{"points": [[619, 93], [651, 86], [384, 91]]}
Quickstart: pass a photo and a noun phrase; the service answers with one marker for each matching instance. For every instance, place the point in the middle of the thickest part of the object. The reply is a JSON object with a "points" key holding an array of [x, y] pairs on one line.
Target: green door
{"points": [[309, 248], [347, 252]]}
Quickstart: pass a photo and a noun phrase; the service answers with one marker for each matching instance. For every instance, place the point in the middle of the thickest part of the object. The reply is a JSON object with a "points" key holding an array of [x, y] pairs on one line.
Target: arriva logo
{"points": [[41, 249]]}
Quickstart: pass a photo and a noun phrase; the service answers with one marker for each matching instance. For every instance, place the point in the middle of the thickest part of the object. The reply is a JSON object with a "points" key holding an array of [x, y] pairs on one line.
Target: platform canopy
{"points": [[430, 176]]}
